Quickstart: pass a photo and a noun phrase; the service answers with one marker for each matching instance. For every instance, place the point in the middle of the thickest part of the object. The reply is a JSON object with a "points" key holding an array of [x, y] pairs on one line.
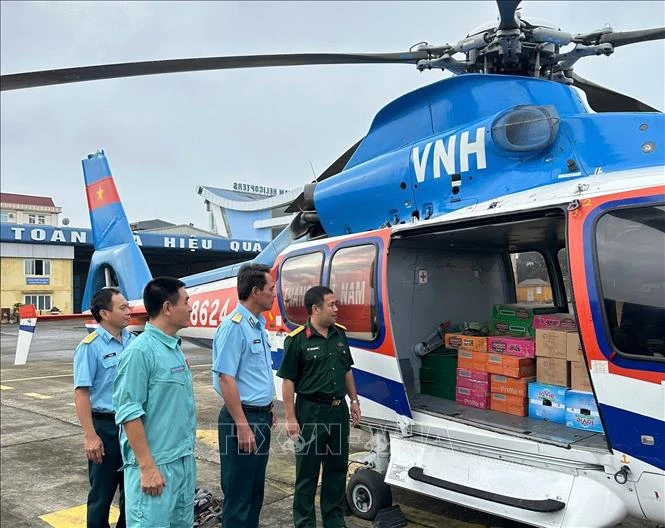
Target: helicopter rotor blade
{"points": [[507, 18], [18, 81], [633, 37], [335, 168], [602, 99]]}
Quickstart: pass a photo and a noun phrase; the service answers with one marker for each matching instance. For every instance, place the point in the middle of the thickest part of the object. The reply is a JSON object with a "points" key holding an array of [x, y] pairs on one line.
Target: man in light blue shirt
{"points": [[242, 375], [154, 402], [95, 361]]}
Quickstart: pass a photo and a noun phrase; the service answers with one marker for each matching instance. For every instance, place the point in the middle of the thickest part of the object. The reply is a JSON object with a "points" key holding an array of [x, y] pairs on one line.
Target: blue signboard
{"points": [[71, 236], [38, 280]]}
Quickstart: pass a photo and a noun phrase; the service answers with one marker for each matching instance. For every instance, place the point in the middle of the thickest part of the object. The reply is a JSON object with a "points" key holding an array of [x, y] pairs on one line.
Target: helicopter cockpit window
{"points": [[352, 279], [532, 279], [298, 275], [630, 245]]}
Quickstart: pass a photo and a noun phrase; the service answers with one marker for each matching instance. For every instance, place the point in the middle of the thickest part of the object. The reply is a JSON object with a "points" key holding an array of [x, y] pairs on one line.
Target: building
{"points": [[253, 212], [39, 274], [47, 265], [534, 290]]}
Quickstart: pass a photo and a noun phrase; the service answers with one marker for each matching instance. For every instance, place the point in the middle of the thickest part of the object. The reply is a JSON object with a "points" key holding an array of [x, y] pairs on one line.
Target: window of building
{"points": [[41, 302], [532, 280], [32, 219], [4, 217], [352, 279], [298, 275], [41, 219], [630, 245], [37, 267]]}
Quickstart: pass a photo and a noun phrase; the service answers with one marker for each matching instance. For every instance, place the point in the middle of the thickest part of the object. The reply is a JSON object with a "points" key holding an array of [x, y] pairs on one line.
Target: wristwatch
{"points": [[355, 401]]}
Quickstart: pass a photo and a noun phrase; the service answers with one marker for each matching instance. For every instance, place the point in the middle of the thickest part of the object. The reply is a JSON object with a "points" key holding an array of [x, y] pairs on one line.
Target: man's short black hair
{"points": [[158, 291], [102, 300], [314, 296], [251, 275]]}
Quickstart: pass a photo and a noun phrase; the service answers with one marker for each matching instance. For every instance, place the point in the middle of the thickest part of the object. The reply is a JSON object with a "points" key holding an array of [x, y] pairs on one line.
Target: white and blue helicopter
{"points": [[417, 223]]}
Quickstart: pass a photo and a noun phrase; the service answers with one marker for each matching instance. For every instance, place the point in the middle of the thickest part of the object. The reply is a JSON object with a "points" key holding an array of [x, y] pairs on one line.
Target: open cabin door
{"points": [[616, 246]]}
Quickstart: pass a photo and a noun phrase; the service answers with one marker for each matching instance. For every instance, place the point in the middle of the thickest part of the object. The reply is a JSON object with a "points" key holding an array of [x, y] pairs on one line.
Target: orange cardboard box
{"points": [[579, 376], [471, 360], [517, 405], [465, 342], [511, 386], [512, 366]]}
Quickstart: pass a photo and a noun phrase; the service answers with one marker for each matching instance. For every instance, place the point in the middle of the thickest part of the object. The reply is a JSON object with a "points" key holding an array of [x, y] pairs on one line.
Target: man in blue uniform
{"points": [[242, 375], [95, 361], [154, 402], [317, 366]]}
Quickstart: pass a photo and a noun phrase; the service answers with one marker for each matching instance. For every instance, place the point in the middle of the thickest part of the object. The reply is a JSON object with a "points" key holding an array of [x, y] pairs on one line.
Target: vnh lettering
{"points": [[444, 155]]}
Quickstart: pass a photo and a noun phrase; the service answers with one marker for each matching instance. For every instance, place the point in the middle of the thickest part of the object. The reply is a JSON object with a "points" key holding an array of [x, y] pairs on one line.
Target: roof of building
{"points": [[235, 195], [147, 225], [534, 282], [26, 199]]}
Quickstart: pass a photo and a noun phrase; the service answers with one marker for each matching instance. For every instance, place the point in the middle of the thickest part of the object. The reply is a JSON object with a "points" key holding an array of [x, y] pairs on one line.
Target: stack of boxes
{"points": [[525, 368], [472, 376]]}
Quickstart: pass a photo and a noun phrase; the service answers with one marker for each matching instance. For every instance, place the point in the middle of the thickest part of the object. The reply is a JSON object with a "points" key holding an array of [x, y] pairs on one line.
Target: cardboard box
{"points": [[513, 366], [582, 411], [512, 328], [516, 405], [511, 386], [579, 376], [465, 342], [520, 311], [553, 371], [555, 321], [472, 398], [547, 402], [551, 343], [574, 347], [471, 360], [512, 346]]}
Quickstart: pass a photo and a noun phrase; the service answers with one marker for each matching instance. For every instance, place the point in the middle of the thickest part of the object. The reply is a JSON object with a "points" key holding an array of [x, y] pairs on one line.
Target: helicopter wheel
{"points": [[367, 493]]}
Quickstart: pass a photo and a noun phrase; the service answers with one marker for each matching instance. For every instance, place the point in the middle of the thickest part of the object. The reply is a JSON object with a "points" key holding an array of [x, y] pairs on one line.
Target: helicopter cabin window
{"points": [[352, 279], [532, 280], [299, 274], [630, 245]]}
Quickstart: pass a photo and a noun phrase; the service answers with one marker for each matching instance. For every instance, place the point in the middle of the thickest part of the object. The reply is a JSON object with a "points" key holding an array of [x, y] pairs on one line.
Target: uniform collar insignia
{"points": [[308, 332]]}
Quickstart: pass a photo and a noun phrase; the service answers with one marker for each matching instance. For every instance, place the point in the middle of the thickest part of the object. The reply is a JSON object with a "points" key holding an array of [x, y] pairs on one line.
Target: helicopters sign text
{"points": [[442, 153]]}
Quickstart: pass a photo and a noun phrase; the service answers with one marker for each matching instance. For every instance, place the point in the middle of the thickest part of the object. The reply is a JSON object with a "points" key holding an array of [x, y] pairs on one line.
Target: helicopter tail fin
{"points": [[117, 260]]}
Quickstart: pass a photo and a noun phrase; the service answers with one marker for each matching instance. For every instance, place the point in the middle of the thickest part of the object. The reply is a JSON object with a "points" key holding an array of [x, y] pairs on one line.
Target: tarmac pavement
{"points": [[43, 470]]}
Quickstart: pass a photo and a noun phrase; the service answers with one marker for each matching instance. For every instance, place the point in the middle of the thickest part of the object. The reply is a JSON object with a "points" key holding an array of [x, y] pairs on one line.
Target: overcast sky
{"points": [[166, 134]]}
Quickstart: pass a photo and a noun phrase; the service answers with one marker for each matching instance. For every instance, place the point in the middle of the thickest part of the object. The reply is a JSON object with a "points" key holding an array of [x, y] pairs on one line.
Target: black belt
{"points": [[256, 408], [323, 400], [104, 415]]}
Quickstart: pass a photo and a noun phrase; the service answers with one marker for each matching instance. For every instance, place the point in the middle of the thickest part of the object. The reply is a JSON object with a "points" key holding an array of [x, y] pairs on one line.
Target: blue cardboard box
{"points": [[582, 411], [547, 402]]}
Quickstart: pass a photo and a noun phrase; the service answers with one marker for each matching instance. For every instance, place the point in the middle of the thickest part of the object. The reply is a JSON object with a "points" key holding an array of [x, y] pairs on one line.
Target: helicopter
{"points": [[515, 153]]}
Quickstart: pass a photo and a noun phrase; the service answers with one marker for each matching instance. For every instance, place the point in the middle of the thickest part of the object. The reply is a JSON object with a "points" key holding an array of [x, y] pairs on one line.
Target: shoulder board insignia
{"points": [[237, 318], [296, 331], [90, 338], [341, 326]]}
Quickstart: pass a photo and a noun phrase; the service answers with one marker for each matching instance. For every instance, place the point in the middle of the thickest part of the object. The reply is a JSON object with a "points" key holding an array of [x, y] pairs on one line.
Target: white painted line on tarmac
{"points": [[6, 387], [38, 378], [37, 395]]}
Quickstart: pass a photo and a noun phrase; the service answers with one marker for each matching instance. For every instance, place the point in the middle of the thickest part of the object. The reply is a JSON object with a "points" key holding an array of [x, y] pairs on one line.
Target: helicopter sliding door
{"points": [[617, 264]]}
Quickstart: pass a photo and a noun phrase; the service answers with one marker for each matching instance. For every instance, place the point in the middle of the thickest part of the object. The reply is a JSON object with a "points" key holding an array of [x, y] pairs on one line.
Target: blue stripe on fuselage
{"points": [[626, 429]]}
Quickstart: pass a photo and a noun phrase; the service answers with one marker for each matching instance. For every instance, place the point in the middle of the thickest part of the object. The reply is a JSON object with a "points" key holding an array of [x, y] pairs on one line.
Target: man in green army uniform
{"points": [[317, 366]]}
